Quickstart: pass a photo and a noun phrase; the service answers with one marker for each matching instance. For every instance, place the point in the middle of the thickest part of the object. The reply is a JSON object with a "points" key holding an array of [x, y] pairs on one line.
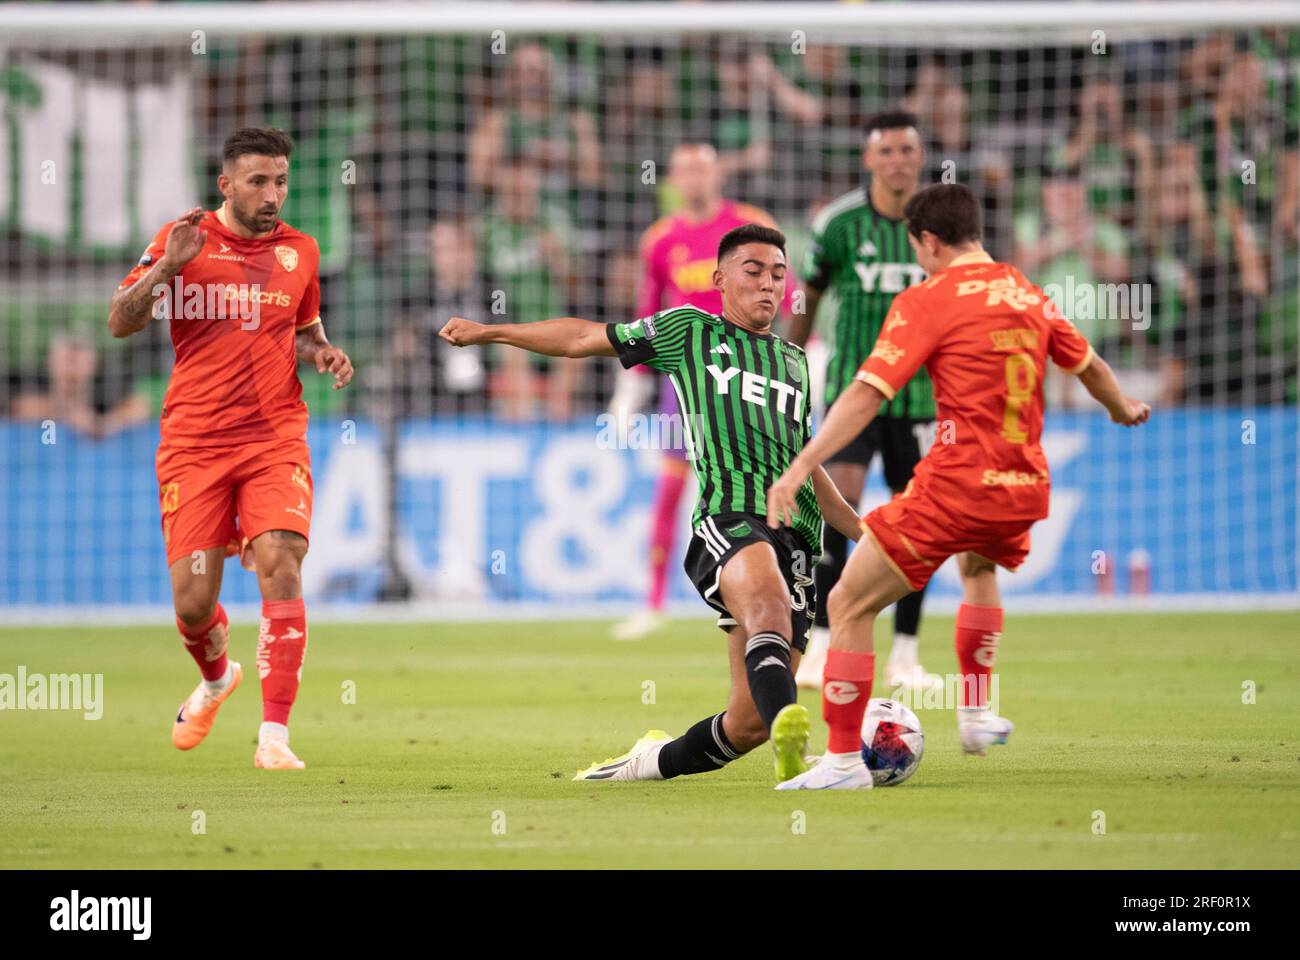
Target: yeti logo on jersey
{"points": [[754, 388], [888, 277]]}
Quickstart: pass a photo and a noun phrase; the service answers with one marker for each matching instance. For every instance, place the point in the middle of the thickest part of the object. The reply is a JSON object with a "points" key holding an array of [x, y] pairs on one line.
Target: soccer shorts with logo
{"points": [[716, 540], [900, 441], [917, 534], [214, 496]]}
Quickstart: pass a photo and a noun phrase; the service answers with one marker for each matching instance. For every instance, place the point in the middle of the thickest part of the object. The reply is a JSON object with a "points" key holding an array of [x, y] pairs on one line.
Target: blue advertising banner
{"points": [[1193, 502]]}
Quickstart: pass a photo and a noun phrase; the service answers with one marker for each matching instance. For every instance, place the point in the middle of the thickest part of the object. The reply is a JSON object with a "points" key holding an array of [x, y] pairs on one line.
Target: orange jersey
{"points": [[984, 333], [235, 310]]}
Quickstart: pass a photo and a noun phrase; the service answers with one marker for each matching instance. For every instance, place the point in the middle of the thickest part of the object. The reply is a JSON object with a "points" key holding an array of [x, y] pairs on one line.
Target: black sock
{"points": [[835, 553], [771, 684], [700, 749], [907, 613]]}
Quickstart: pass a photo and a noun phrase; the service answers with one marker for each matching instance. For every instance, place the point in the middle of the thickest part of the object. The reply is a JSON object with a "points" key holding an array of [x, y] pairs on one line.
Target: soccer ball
{"points": [[892, 742]]}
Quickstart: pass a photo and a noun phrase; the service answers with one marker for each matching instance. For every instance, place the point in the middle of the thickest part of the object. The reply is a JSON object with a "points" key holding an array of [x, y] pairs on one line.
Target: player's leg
{"points": [[868, 584], [197, 509], [281, 640], [848, 471], [904, 442], [274, 502], [754, 587], [976, 637]]}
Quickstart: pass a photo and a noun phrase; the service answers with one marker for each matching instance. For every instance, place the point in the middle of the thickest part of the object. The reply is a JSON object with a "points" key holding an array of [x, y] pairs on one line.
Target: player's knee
{"points": [[846, 604], [972, 565], [194, 606], [768, 614]]}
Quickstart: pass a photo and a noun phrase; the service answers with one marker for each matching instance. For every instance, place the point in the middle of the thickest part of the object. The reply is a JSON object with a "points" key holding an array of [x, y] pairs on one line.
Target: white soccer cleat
{"points": [[979, 728], [910, 678], [832, 773], [639, 625], [639, 763], [813, 663]]}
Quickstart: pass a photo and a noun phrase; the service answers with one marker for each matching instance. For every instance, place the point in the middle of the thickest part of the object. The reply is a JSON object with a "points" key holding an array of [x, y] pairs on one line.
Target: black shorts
{"points": [[718, 537], [900, 441]]}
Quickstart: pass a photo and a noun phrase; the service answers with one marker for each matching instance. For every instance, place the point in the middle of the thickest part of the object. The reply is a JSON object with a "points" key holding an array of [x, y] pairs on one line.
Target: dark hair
{"points": [[892, 120], [948, 210], [260, 141], [750, 233]]}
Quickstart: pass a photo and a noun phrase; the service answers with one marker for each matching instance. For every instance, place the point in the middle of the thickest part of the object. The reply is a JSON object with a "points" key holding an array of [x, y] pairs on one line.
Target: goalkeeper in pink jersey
{"points": [[678, 256]]}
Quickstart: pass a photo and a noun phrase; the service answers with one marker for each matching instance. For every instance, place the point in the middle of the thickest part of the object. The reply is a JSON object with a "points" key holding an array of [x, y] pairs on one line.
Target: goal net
{"points": [[502, 163]]}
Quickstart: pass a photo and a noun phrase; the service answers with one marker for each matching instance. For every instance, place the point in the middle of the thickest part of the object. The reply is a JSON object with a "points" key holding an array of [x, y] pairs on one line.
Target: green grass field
{"points": [[461, 731]]}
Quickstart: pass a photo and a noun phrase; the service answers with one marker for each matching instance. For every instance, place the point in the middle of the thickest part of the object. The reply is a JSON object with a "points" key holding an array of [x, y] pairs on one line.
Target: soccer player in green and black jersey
{"points": [[859, 249], [744, 395]]}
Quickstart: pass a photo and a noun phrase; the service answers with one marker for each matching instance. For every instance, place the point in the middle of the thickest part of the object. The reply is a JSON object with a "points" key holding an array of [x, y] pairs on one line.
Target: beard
{"points": [[259, 221]]}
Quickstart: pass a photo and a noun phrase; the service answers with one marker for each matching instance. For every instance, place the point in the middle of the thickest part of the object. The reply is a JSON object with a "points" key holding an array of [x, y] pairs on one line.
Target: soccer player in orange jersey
{"points": [[984, 334], [242, 293]]}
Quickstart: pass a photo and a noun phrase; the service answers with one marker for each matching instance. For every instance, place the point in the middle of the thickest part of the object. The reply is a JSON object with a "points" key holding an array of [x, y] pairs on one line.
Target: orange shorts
{"points": [[916, 534], [223, 496]]}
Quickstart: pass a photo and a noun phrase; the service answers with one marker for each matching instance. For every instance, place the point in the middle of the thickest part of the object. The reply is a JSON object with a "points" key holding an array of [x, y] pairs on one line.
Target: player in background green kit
{"points": [[743, 392], [859, 249]]}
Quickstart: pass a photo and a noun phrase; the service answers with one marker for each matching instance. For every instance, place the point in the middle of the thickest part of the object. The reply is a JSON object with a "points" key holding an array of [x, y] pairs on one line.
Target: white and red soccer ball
{"points": [[892, 742]]}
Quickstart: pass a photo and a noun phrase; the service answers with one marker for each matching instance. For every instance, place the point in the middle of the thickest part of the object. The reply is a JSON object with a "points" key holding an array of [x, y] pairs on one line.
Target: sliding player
{"points": [[678, 256], [234, 474], [985, 333], [859, 249], [743, 391]]}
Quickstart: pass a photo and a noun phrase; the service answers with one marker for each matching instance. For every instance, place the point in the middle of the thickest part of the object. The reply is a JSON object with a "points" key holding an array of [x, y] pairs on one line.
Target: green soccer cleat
{"points": [[790, 732], [639, 763]]}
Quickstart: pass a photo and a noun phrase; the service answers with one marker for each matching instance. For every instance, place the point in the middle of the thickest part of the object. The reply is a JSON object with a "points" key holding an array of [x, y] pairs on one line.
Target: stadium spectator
{"points": [[956, 148], [421, 375], [1070, 252], [75, 391], [526, 252], [1113, 153], [530, 124]]}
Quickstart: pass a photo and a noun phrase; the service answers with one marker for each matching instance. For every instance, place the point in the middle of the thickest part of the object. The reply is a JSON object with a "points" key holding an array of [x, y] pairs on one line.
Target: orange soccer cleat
{"points": [[276, 755], [194, 719]]}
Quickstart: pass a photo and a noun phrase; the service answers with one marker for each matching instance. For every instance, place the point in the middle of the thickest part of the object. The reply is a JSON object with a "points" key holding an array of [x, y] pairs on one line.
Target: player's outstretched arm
{"points": [[836, 511], [131, 308], [313, 347], [561, 337], [1099, 380], [856, 407]]}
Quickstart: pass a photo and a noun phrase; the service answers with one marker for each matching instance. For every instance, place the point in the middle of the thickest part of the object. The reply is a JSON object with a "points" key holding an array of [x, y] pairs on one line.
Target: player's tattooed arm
{"points": [[856, 407], [132, 308], [561, 337], [836, 511], [313, 347]]}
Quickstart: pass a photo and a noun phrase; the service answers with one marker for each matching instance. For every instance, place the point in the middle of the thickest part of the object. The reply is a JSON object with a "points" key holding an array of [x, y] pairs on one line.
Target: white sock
{"points": [[216, 686], [647, 765], [272, 731], [842, 761], [903, 652]]}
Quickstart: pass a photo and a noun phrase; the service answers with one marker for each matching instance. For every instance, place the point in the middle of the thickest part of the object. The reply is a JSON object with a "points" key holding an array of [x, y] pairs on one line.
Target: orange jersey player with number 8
{"points": [[242, 294], [984, 334]]}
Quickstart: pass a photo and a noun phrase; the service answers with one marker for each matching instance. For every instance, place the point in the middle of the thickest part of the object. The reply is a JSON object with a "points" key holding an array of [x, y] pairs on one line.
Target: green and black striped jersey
{"points": [[744, 400], [866, 259]]}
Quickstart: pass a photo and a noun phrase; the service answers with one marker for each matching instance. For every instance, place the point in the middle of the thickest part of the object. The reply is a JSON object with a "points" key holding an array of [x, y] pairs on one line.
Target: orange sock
{"points": [[846, 688], [281, 646], [976, 638], [207, 642]]}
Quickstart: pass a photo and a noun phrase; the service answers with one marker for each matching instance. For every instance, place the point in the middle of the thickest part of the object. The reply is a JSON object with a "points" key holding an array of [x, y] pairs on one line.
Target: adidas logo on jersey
{"points": [[722, 348], [754, 388]]}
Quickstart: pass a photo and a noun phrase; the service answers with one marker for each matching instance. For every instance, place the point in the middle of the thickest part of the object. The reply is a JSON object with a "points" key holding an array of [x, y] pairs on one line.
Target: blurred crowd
{"points": [[1157, 186]]}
